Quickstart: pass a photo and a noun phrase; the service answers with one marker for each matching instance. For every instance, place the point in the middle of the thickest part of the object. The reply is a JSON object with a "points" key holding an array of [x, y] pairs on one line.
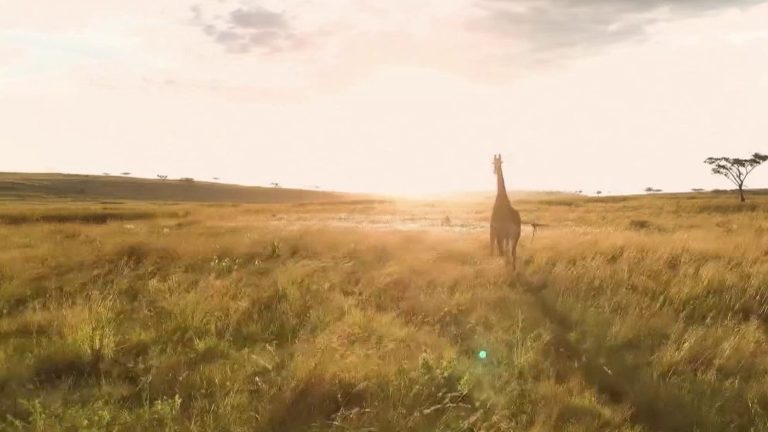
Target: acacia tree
{"points": [[735, 169]]}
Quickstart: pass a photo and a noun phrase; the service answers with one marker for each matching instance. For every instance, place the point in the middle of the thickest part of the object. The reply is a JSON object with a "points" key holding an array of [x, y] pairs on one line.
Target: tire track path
{"points": [[655, 406]]}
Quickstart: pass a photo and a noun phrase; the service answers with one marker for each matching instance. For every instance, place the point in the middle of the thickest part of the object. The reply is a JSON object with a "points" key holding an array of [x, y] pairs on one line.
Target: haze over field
{"points": [[392, 96]]}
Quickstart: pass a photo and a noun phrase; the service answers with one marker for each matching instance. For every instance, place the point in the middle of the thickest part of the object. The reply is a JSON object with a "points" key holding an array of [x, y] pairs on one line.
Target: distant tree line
{"points": [[736, 170]]}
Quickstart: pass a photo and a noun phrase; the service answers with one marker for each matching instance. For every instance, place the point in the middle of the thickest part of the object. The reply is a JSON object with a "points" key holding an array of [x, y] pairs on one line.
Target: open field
{"points": [[643, 313]]}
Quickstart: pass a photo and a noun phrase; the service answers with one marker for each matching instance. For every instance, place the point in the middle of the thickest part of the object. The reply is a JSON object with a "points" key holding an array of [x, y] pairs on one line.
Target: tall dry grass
{"points": [[626, 314]]}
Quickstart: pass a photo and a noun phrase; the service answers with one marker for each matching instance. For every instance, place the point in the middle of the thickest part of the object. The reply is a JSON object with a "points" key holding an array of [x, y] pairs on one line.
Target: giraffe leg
{"points": [[513, 251]]}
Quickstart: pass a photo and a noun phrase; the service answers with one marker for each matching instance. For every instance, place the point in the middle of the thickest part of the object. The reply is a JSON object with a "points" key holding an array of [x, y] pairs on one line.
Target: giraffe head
{"points": [[497, 164]]}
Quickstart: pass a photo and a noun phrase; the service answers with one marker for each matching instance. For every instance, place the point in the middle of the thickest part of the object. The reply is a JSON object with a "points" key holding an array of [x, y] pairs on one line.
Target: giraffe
{"points": [[505, 220]]}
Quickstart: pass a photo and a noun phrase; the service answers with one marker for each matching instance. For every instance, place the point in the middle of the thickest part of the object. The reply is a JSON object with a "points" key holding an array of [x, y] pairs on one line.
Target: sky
{"points": [[387, 96]]}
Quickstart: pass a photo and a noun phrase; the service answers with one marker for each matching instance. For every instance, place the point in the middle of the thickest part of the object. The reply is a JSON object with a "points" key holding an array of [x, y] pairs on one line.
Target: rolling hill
{"points": [[77, 186]]}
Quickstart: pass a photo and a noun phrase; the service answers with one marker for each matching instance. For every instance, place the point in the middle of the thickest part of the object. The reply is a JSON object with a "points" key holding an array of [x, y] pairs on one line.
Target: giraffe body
{"points": [[505, 220]]}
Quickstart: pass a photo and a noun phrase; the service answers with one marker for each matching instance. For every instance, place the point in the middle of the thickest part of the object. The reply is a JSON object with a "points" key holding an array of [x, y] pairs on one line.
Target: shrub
{"points": [[639, 224]]}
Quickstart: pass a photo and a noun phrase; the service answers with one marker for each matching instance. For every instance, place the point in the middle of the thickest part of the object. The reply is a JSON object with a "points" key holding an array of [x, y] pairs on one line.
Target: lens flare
{"points": [[482, 354]]}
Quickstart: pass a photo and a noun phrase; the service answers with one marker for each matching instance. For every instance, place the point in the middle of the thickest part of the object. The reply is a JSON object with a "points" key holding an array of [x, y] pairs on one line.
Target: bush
{"points": [[639, 224]]}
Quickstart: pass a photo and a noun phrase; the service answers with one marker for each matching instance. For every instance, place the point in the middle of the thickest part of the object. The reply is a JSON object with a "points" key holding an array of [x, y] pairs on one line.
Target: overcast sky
{"points": [[396, 96]]}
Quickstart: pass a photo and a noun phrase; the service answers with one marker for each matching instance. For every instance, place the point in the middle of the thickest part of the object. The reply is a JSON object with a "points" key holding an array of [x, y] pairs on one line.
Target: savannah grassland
{"points": [[626, 314]]}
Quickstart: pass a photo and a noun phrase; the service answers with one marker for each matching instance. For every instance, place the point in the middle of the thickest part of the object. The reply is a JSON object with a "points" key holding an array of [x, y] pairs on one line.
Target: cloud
{"points": [[578, 25], [334, 43], [251, 28], [258, 18]]}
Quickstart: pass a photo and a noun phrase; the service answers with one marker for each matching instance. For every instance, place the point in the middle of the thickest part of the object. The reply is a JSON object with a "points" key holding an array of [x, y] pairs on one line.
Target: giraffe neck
{"points": [[501, 189]]}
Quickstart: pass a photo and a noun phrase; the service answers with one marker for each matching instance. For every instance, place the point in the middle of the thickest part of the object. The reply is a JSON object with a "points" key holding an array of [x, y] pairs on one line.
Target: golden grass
{"points": [[626, 314]]}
